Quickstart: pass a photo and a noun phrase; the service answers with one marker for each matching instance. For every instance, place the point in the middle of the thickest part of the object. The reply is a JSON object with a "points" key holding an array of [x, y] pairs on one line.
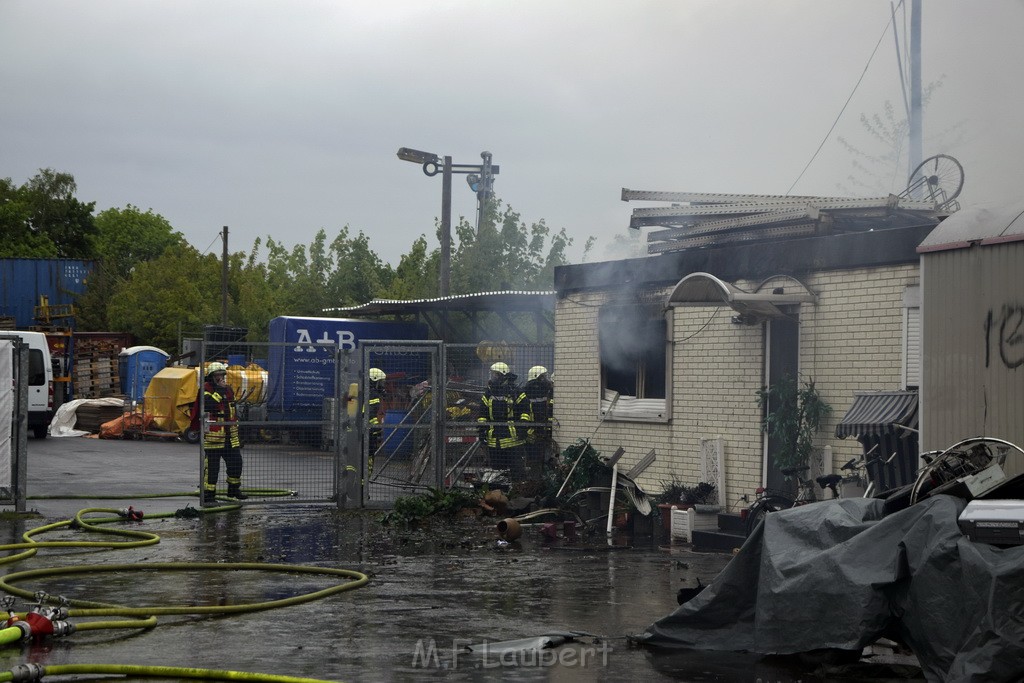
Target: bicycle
{"points": [[854, 473], [771, 500], [767, 500]]}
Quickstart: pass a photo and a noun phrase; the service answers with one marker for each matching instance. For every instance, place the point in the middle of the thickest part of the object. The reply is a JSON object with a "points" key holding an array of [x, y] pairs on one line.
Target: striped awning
{"points": [[879, 413]]}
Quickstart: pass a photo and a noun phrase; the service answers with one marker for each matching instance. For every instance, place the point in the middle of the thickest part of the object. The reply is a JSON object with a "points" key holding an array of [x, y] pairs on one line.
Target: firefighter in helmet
{"points": [[501, 405], [539, 409], [221, 438], [375, 418]]}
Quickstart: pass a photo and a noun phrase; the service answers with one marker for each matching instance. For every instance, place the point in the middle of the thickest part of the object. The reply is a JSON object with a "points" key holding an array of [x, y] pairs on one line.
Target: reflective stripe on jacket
{"points": [[223, 420], [502, 404]]}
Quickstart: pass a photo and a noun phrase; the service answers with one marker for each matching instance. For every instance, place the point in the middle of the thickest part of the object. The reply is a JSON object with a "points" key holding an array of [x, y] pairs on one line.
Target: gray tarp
{"points": [[836, 574]]}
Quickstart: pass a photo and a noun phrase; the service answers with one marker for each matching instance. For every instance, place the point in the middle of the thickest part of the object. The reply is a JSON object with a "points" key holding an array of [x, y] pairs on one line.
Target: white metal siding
{"points": [[972, 344], [912, 352]]}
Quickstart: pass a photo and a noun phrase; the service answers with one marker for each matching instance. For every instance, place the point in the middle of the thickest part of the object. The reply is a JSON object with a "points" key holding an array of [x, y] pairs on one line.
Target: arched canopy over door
{"points": [[704, 289]]}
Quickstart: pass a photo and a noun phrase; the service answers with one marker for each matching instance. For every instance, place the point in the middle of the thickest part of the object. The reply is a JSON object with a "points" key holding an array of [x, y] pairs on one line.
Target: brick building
{"points": [[687, 336]]}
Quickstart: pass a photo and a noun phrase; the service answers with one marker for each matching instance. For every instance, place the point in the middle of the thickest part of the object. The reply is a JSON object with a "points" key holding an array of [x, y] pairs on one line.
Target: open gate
{"points": [[405, 453]]}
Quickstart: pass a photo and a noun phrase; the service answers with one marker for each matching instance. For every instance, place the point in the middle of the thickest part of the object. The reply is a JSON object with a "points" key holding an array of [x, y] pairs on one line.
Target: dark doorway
{"points": [[783, 359]]}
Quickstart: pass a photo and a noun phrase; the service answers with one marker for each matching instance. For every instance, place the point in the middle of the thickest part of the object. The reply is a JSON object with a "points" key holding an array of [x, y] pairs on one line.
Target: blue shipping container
{"points": [[24, 280], [300, 375]]}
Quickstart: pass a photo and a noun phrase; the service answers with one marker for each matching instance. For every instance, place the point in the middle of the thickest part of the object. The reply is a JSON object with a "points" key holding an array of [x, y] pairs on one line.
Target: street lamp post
{"points": [[432, 165]]}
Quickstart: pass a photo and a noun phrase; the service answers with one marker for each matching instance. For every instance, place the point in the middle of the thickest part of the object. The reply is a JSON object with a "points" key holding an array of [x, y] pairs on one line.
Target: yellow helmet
{"points": [[535, 372], [376, 375], [500, 368], [214, 367]]}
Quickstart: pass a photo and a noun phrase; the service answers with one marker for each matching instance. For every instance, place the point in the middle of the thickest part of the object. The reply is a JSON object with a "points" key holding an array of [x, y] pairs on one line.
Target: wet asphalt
{"points": [[432, 590]]}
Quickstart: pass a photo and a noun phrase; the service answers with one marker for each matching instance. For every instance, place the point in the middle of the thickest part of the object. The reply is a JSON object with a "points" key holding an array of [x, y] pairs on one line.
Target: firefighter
{"points": [[539, 408], [222, 439], [502, 403], [375, 397]]}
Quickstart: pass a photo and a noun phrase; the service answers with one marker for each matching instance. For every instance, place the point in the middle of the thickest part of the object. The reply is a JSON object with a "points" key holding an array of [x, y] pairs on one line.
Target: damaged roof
{"points": [[694, 220]]}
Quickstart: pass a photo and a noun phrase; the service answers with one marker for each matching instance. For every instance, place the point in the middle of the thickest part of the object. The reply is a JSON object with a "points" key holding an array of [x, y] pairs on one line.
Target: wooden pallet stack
{"points": [[96, 371]]}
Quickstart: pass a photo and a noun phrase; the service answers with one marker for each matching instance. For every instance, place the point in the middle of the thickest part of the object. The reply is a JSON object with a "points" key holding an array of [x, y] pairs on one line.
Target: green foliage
{"points": [[793, 413], [675, 491], [416, 276], [591, 470], [434, 503], [506, 254], [702, 494], [181, 286], [42, 218], [309, 279], [150, 282], [124, 239]]}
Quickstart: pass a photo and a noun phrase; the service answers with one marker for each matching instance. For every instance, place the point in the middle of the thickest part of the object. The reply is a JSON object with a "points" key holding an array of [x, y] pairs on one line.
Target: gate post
{"points": [[347, 452]]}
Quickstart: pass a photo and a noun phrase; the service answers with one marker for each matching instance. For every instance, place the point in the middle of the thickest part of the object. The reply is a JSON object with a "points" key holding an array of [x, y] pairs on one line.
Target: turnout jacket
{"points": [[539, 405], [219, 402], [502, 402]]}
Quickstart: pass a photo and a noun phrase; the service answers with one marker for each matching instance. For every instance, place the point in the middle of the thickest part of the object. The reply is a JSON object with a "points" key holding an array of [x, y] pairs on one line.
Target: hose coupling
{"points": [[63, 628], [61, 611], [131, 514], [26, 628], [27, 672]]}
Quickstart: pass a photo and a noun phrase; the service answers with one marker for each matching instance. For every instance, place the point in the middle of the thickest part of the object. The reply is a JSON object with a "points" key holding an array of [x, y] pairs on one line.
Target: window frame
{"points": [[630, 408]]}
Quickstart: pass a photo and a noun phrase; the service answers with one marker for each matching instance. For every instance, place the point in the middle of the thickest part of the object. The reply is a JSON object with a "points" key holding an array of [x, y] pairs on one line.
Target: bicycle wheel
{"points": [[938, 179], [762, 508]]}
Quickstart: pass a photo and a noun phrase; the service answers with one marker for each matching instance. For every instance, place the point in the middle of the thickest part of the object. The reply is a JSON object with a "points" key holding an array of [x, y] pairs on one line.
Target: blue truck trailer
{"points": [[300, 370]]}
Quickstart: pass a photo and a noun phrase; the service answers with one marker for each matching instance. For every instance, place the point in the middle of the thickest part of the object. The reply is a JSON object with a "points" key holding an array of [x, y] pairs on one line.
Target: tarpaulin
{"points": [[170, 395], [836, 574]]}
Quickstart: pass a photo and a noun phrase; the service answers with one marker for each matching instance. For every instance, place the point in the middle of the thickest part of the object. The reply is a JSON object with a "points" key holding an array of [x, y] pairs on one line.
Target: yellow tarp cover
{"points": [[169, 398], [249, 383]]}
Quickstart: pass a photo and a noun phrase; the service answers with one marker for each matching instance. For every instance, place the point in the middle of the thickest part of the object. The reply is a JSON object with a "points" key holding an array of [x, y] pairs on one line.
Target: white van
{"points": [[40, 380]]}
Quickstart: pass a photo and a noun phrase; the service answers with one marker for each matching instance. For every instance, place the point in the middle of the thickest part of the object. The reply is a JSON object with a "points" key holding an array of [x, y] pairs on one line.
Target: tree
{"points": [[416, 275], [506, 253], [124, 239], [42, 218], [180, 287]]}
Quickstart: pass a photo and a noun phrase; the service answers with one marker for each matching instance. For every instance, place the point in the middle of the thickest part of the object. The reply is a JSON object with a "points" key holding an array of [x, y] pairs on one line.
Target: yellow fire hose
{"points": [[144, 617]]}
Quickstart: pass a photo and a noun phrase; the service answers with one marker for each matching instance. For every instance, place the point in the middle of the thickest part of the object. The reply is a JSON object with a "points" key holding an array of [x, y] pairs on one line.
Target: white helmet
{"points": [[535, 372], [500, 368], [376, 375], [215, 367]]}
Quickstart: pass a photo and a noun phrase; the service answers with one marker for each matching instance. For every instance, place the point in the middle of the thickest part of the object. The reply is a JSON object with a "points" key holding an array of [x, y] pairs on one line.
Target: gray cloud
{"points": [[282, 118]]}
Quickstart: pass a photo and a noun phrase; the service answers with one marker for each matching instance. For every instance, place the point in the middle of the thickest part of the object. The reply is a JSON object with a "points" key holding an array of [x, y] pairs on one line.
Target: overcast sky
{"points": [[281, 118]]}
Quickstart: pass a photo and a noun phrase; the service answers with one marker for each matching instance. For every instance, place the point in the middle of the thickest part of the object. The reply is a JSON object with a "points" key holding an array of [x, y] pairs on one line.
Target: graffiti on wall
{"points": [[1004, 334]]}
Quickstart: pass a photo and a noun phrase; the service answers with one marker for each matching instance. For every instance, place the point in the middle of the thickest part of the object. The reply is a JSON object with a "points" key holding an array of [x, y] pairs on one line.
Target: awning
{"points": [[704, 289], [879, 413]]}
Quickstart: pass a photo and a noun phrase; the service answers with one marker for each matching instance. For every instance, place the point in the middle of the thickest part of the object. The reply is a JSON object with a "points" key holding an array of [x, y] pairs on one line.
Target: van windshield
{"points": [[36, 368]]}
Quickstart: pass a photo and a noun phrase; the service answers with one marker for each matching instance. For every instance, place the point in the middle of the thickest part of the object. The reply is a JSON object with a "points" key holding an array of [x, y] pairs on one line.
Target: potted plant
{"points": [[673, 493], [793, 413], [704, 497]]}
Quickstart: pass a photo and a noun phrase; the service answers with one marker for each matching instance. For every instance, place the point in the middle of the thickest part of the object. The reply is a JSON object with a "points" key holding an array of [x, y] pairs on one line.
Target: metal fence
{"points": [[288, 404], [305, 427], [420, 447]]}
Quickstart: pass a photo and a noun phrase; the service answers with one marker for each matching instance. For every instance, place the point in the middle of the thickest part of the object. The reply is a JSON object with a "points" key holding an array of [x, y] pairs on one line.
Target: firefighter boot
{"points": [[235, 491], [209, 497]]}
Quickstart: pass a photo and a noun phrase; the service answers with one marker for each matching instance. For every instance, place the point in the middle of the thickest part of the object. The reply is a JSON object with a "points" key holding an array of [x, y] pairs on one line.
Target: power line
{"points": [[841, 111]]}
